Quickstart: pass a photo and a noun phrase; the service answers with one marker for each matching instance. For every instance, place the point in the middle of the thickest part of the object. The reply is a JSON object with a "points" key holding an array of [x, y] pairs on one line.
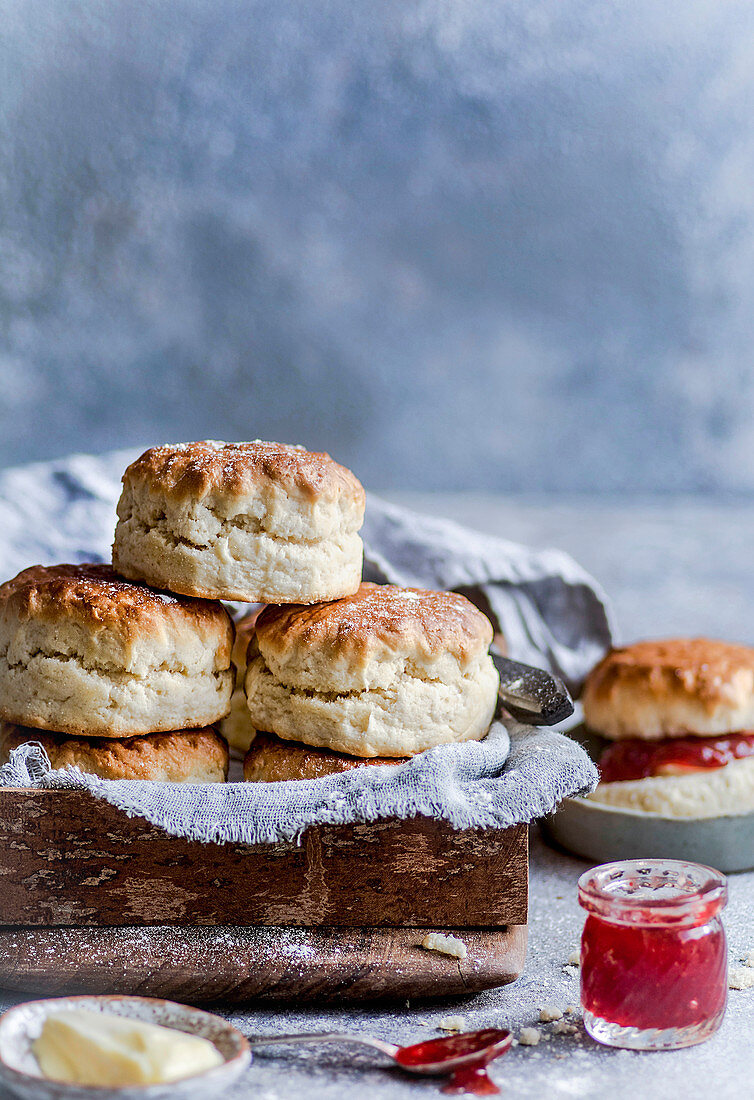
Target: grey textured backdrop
{"points": [[459, 243]]}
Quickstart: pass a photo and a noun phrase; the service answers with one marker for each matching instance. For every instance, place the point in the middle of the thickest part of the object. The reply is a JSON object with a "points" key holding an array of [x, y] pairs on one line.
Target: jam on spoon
{"points": [[476, 1048], [464, 1058]]}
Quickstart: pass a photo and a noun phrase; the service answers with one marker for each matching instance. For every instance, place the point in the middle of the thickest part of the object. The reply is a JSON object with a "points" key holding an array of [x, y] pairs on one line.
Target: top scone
{"points": [[672, 688], [257, 522], [386, 672], [85, 653]]}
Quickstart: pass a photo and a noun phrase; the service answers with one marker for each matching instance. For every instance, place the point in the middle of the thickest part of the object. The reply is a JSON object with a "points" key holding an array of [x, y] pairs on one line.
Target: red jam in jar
{"points": [[653, 953]]}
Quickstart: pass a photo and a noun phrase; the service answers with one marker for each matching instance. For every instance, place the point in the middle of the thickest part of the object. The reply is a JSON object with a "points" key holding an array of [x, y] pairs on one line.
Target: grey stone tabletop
{"points": [[671, 566]]}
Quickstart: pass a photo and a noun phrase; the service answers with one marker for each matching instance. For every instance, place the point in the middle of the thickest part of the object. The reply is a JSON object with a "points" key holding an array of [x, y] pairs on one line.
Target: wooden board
{"points": [[238, 965], [112, 904], [67, 858]]}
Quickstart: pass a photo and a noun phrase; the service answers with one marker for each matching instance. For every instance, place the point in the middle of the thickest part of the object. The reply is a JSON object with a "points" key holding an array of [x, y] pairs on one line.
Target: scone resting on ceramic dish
{"points": [[236, 728], [257, 522], [271, 760], [190, 756], [386, 672], [85, 653], [680, 714]]}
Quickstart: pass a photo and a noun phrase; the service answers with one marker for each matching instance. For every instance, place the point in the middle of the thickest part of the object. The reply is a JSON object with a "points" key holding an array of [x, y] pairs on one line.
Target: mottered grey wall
{"points": [[459, 243]]}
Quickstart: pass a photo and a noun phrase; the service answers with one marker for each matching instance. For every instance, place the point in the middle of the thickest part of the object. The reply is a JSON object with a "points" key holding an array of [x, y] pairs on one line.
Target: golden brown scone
{"points": [[671, 688], [258, 522], [191, 756], [236, 728], [86, 653], [386, 672], [270, 760]]}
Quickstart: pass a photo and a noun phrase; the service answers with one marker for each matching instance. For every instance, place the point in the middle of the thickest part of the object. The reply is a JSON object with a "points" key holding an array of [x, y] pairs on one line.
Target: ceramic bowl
{"points": [[606, 833], [21, 1025]]}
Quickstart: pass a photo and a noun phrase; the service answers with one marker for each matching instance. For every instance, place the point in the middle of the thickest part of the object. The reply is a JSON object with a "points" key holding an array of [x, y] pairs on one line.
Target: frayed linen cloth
{"points": [[516, 774], [550, 611]]}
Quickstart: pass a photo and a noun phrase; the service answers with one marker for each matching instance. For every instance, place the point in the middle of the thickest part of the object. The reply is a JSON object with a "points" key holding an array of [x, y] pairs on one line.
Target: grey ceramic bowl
{"points": [[21, 1025], [605, 833]]}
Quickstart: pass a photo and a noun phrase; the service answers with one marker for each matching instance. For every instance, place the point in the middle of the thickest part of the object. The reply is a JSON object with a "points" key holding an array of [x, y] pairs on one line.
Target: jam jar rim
{"points": [[711, 895]]}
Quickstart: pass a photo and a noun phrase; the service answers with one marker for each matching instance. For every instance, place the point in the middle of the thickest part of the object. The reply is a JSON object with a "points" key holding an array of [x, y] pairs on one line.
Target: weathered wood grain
{"points": [[239, 965], [67, 858]]}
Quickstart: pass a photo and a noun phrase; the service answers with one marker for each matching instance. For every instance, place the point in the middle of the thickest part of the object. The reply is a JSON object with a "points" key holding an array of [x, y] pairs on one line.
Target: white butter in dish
{"points": [[100, 1048]]}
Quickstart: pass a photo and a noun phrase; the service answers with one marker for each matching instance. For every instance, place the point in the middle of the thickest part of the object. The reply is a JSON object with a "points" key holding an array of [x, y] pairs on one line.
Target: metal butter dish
{"points": [[605, 833]]}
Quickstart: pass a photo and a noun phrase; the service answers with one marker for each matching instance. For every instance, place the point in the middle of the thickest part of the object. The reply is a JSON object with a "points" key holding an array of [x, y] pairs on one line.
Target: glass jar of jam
{"points": [[654, 963]]}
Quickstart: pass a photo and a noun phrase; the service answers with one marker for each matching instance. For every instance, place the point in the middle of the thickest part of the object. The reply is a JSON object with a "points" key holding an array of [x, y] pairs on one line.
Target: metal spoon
{"points": [[488, 1044], [530, 694]]}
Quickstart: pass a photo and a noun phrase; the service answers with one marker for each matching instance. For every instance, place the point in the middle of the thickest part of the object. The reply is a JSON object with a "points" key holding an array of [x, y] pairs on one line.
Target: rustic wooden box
{"points": [[79, 876]]}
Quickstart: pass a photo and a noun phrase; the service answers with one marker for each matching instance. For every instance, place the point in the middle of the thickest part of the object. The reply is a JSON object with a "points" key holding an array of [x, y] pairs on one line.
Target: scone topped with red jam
{"points": [[680, 714]]}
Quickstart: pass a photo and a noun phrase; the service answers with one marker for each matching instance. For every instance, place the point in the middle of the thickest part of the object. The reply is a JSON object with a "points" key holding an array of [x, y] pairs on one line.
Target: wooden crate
{"points": [[361, 894]]}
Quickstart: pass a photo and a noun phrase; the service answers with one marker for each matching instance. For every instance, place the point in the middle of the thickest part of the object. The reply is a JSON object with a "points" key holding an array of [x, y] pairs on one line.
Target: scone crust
{"points": [[190, 471], [719, 792], [372, 638], [672, 688], [97, 597], [86, 653], [258, 522], [236, 727], [192, 756], [245, 629], [270, 760]]}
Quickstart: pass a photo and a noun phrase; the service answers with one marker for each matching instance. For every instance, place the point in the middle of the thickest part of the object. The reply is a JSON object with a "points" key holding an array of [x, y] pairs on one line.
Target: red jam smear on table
{"points": [[476, 1081], [652, 976], [626, 760], [488, 1044]]}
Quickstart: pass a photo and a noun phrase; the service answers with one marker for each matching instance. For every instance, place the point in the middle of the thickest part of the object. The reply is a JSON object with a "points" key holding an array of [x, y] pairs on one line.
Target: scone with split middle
{"points": [[386, 672], [257, 522], [190, 756], [679, 716], [86, 653]]}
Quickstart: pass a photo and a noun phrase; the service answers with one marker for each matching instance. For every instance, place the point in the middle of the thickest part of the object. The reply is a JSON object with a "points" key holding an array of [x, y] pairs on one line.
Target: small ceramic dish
{"points": [[605, 833], [21, 1025]]}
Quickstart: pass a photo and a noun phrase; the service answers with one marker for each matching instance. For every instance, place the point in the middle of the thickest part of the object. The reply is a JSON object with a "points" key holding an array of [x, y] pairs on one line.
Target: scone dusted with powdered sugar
{"points": [[257, 522], [679, 718], [86, 653], [387, 672]]}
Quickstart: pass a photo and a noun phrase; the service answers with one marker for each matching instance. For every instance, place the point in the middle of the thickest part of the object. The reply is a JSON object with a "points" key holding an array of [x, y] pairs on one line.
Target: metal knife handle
{"points": [[532, 695]]}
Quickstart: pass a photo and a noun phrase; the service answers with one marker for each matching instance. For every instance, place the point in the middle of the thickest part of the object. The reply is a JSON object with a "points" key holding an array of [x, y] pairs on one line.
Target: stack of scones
{"points": [[128, 671]]}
